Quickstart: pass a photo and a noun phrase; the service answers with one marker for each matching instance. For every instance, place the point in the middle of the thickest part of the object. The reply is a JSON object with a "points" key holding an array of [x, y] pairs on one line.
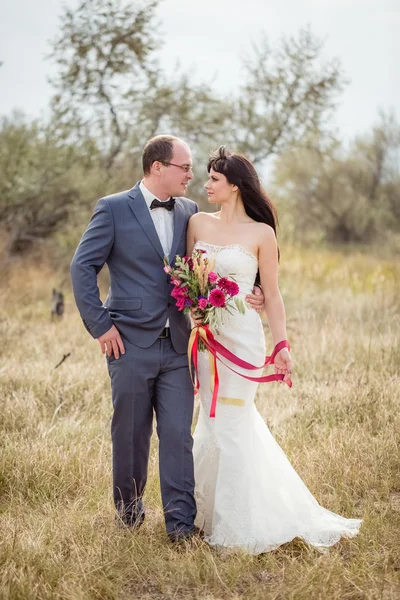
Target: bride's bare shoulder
{"points": [[265, 230], [201, 218], [264, 234]]}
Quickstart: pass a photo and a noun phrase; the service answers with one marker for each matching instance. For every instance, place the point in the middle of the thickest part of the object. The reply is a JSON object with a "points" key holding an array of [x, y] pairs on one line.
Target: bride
{"points": [[248, 495]]}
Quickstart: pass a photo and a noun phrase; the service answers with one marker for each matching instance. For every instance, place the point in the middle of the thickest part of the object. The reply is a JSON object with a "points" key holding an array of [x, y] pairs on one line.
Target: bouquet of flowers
{"points": [[197, 286]]}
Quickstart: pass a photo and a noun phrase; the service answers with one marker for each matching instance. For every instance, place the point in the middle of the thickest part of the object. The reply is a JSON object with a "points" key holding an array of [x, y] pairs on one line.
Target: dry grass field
{"points": [[340, 426]]}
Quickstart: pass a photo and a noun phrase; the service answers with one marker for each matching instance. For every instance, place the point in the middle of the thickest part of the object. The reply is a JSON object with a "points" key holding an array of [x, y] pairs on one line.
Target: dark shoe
{"points": [[183, 536]]}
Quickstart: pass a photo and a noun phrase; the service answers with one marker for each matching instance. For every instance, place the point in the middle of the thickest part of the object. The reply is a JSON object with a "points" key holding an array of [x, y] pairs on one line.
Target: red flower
{"points": [[189, 261], [217, 298], [180, 303], [179, 292], [229, 287]]}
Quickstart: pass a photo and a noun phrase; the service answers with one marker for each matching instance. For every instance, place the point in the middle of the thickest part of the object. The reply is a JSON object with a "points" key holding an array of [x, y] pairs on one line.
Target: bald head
{"points": [[160, 148], [167, 166]]}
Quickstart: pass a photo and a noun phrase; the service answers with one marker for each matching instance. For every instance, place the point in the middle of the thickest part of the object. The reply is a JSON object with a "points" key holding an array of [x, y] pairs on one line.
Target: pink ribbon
{"points": [[217, 350]]}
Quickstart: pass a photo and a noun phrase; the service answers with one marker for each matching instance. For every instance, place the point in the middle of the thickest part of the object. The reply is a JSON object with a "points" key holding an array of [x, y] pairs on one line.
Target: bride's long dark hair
{"points": [[240, 172]]}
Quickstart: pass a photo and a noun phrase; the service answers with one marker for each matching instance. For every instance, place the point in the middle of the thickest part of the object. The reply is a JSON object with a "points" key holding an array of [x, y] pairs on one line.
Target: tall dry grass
{"points": [[340, 426]]}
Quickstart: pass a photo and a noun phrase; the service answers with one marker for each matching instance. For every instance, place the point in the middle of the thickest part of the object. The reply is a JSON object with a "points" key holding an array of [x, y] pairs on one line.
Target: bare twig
{"points": [[62, 360]]}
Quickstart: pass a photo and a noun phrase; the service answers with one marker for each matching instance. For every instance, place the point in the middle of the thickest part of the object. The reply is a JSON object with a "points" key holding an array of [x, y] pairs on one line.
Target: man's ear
{"points": [[156, 167]]}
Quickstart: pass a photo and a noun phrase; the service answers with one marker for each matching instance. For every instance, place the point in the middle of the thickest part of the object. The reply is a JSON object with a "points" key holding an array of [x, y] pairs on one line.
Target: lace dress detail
{"points": [[214, 249], [248, 494]]}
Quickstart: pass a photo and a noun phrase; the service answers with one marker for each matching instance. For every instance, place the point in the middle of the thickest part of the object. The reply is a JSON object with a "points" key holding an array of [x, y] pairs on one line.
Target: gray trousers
{"points": [[144, 380]]}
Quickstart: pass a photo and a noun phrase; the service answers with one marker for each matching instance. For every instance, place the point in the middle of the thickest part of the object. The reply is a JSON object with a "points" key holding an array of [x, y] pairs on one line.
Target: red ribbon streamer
{"points": [[216, 349]]}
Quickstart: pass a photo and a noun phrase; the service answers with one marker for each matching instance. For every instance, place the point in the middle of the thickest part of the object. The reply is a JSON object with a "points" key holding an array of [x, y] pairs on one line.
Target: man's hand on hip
{"points": [[111, 342], [256, 299]]}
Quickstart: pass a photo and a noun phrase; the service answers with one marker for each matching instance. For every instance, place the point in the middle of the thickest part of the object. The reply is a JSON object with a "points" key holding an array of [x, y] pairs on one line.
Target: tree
{"points": [[103, 53], [288, 95], [346, 196], [37, 185], [111, 85], [111, 95]]}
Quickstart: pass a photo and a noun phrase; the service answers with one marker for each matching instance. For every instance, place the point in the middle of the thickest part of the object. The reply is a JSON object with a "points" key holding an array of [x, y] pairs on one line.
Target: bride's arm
{"points": [[273, 303]]}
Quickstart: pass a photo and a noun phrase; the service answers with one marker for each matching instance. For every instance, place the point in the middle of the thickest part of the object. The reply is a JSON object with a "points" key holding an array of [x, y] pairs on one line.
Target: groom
{"points": [[142, 332]]}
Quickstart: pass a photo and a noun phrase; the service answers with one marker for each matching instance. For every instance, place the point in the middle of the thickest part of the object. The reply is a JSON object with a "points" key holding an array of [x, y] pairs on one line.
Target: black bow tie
{"points": [[168, 204]]}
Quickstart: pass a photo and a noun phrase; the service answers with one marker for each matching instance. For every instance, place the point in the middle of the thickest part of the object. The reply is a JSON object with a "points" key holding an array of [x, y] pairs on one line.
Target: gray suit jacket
{"points": [[121, 233]]}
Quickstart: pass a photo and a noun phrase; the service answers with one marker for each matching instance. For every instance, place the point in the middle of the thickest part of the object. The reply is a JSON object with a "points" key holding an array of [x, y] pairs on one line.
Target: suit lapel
{"points": [[179, 221], [139, 208]]}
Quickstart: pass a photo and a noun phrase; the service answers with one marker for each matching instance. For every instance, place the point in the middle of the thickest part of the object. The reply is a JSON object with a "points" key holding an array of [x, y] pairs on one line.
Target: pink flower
{"points": [[176, 292], [217, 298], [180, 303], [233, 288], [179, 292], [228, 286], [202, 303], [167, 269], [212, 277], [175, 282]]}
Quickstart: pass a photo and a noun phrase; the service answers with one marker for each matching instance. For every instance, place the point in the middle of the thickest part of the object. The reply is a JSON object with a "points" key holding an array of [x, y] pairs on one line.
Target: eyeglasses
{"points": [[185, 168]]}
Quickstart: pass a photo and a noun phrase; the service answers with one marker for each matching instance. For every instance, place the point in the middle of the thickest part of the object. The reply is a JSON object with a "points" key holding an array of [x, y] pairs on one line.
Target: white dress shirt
{"points": [[163, 222]]}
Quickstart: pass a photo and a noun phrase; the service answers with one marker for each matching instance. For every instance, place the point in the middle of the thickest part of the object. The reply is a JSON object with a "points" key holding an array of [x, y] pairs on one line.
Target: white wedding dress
{"points": [[248, 495]]}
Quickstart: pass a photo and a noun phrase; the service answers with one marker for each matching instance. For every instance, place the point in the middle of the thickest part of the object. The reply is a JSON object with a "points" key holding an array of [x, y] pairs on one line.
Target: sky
{"points": [[209, 38]]}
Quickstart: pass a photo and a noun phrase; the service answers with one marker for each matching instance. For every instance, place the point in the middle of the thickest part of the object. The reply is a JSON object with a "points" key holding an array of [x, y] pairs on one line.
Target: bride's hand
{"points": [[283, 363]]}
